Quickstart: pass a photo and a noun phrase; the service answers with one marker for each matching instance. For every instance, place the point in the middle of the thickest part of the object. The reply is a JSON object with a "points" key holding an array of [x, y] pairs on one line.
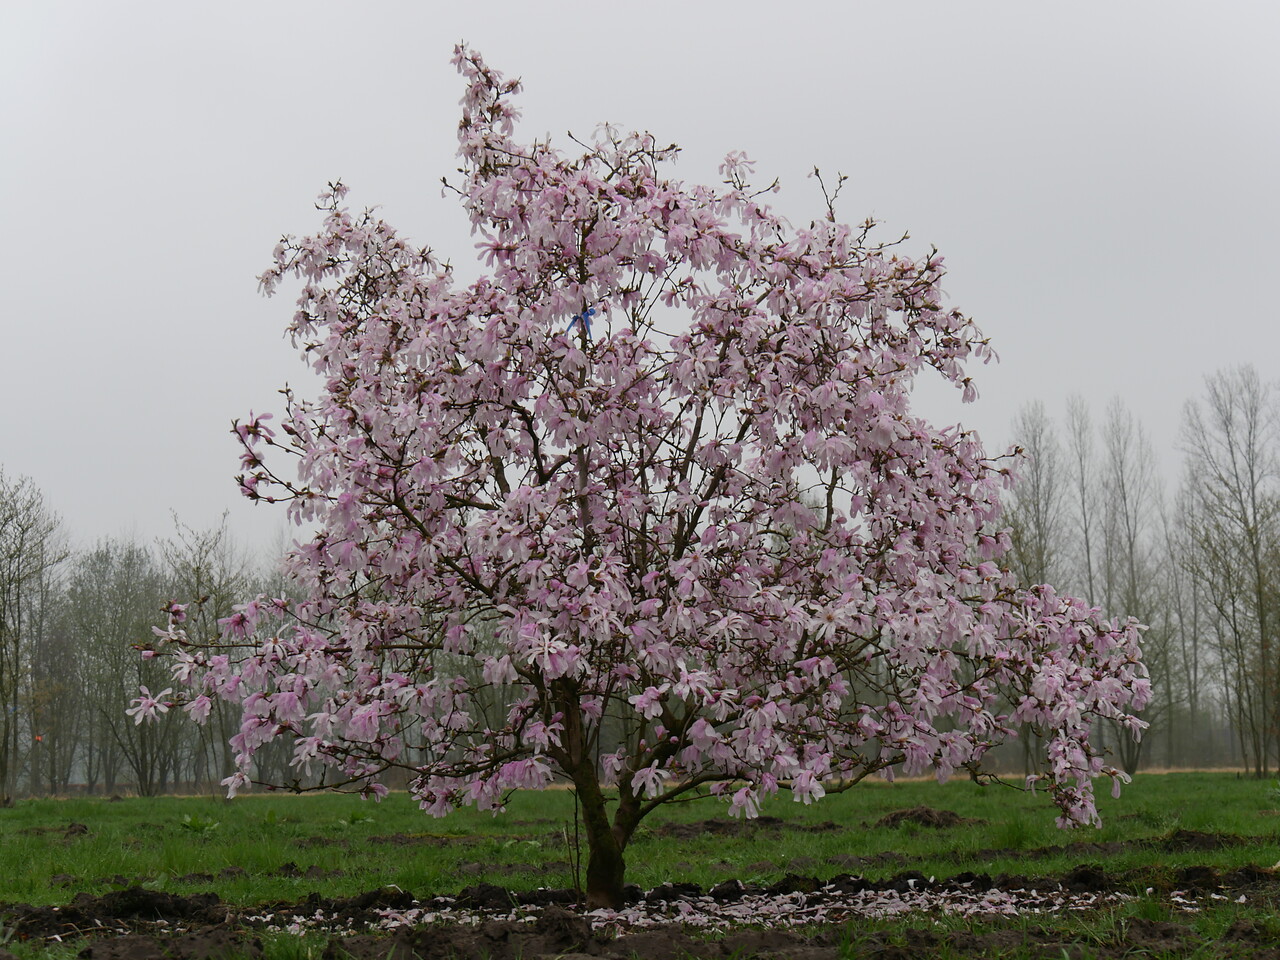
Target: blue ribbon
{"points": [[586, 321]]}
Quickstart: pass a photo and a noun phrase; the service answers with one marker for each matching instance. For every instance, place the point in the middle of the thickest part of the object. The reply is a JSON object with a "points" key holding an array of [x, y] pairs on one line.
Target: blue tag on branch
{"points": [[586, 321]]}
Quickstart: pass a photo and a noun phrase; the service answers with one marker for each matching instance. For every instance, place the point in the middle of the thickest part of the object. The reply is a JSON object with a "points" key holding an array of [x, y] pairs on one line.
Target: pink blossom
{"points": [[745, 803], [147, 707], [649, 703], [648, 781], [499, 670], [807, 788], [235, 783]]}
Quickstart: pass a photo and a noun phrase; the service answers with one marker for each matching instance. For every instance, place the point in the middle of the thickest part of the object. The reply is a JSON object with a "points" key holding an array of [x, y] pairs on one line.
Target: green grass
{"points": [[249, 849], [278, 847]]}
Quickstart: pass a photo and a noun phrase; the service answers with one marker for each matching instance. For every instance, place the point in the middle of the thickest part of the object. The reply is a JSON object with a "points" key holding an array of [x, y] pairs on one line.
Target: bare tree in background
{"points": [[55, 708], [1089, 513], [1131, 578], [111, 590], [30, 551], [1231, 501], [1036, 524], [1081, 472], [1189, 622], [1035, 515], [208, 566]]}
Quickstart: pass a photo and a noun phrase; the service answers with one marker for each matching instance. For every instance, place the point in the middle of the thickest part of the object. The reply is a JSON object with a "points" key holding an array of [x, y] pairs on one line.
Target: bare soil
{"points": [[925, 817]]}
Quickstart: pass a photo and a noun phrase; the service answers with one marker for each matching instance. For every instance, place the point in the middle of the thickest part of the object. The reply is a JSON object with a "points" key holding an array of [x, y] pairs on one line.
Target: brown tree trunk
{"points": [[606, 871], [606, 868]]}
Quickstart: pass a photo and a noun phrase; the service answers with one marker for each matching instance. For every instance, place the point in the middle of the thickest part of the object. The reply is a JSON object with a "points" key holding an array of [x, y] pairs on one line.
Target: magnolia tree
{"points": [[643, 509]]}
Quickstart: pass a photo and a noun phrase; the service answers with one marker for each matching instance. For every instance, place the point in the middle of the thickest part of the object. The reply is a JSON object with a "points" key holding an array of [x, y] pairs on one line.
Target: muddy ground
{"points": [[140, 924]]}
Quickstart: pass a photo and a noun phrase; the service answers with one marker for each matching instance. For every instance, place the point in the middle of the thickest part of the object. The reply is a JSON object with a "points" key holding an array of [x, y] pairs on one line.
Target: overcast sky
{"points": [[1101, 177]]}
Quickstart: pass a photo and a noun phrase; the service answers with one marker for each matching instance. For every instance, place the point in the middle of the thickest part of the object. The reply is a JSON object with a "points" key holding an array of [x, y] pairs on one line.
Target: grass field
{"points": [[276, 847]]}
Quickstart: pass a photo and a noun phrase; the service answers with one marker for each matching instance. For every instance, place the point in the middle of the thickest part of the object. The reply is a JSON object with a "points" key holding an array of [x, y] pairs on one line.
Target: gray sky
{"points": [[1101, 177]]}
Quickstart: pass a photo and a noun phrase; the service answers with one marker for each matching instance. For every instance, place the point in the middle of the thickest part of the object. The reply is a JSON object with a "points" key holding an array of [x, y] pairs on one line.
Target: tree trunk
{"points": [[606, 868]]}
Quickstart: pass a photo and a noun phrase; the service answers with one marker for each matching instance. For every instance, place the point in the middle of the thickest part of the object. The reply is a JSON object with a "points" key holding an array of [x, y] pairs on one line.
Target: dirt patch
{"points": [[1181, 841], [293, 871], [119, 911], [419, 840], [209, 943], [925, 817], [475, 869], [556, 933], [70, 832]]}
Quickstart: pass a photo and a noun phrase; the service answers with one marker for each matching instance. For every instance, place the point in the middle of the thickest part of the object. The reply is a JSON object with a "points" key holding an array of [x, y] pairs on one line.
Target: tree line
{"points": [[71, 622], [1193, 556]]}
